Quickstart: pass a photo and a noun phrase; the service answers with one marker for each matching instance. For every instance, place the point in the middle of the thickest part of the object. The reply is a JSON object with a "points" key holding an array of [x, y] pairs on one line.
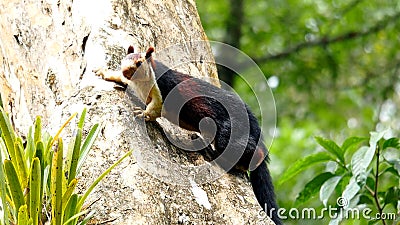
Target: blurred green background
{"points": [[334, 66]]}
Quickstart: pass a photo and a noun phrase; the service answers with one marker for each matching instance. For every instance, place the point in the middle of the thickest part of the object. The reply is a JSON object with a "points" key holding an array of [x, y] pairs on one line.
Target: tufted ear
{"points": [[131, 49], [149, 52]]}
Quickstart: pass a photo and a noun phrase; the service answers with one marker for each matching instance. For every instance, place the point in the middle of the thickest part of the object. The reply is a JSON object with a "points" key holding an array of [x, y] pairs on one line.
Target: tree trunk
{"points": [[48, 50]]}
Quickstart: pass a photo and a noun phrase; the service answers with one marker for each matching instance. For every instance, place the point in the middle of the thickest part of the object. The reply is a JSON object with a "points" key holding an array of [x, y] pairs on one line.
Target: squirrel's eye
{"points": [[138, 63]]}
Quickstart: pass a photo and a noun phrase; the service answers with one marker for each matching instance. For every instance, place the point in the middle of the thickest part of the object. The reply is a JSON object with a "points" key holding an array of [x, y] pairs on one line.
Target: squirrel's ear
{"points": [[130, 49], [149, 51]]}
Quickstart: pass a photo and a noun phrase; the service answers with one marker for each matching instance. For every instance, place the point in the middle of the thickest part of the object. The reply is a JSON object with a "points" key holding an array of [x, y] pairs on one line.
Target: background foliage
{"points": [[333, 67], [37, 181]]}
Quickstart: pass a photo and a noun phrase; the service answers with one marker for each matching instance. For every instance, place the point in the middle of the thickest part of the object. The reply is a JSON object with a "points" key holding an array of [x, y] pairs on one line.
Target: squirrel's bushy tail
{"points": [[264, 191]]}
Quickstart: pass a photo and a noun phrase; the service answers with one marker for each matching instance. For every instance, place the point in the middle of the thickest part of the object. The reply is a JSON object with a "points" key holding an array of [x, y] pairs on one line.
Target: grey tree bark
{"points": [[47, 52]]}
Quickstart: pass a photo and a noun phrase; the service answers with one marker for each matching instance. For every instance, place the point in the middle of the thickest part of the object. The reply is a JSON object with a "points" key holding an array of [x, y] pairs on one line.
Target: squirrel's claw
{"points": [[99, 72], [140, 113]]}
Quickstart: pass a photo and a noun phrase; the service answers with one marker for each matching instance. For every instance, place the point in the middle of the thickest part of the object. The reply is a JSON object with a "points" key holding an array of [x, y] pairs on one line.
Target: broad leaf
{"points": [[350, 191], [392, 170], [391, 143], [312, 188], [303, 164], [351, 142], [327, 188], [375, 137], [392, 195], [331, 147], [361, 159], [373, 221]]}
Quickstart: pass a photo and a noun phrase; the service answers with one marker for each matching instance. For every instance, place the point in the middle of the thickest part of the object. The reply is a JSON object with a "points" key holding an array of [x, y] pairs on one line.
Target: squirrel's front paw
{"points": [[101, 72], [140, 113]]}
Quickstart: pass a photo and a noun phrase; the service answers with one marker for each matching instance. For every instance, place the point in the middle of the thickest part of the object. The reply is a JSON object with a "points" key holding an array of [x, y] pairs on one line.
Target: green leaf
{"points": [[74, 217], [82, 119], [4, 217], [303, 164], [373, 221], [343, 182], [68, 192], [336, 220], [392, 196], [56, 184], [75, 155], [23, 215], [361, 160], [89, 190], [13, 182], [1, 102], [39, 155], [366, 199], [87, 218], [350, 191], [331, 147], [312, 188], [37, 136], [391, 143], [391, 170], [35, 191], [374, 139], [70, 210], [327, 189], [3, 149], [352, 141], [87, 144], [20, 163], [7, 132], [62, 128], [29, 148]]}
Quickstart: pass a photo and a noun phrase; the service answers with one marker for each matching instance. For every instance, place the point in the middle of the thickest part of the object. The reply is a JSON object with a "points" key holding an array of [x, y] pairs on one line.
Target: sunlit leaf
{"points": [[312, 187], [23, 215], [87, 144], [7, 132], [75, 155], [350, 191], [392, 196], [391, 143], [82, 119], [94, 184], [35, 191], [56, 184], [327, 189], [331, 147], [362, 159], [70, 210], [352, 141], [13, 182], [303, 164]]}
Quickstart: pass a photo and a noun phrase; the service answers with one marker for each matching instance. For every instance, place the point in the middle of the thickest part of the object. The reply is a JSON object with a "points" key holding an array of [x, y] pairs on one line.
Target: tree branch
{"points": [[327, 41], [375, 194]]}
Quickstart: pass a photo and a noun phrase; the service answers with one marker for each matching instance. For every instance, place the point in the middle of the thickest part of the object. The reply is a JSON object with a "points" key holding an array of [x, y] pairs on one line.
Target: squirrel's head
{"points": [[136, 64]]}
